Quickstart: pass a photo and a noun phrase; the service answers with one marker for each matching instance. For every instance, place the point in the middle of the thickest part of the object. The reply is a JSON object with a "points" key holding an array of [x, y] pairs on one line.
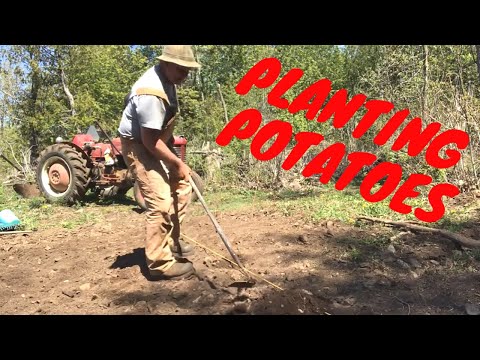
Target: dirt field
{"points": [[98, 267]]}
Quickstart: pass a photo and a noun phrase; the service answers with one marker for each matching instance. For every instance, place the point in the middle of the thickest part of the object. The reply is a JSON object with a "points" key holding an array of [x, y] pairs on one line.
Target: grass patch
{"points": [[91, 199], [379, 241], [355, 255], [361, 249], [315, 204], [475, 254], [465, 261], [29, 211], [456, 217], [83, 218], [325, 202], [236, 199], [328, 203], [37, 213]]}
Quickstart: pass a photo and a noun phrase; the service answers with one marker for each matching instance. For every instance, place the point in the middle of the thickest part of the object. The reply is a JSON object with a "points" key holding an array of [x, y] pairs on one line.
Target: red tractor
{"points": [[67, 170]]}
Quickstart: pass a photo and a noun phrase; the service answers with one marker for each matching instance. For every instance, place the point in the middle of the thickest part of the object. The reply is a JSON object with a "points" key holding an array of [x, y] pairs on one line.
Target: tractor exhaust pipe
{"points": [[108, 137]]}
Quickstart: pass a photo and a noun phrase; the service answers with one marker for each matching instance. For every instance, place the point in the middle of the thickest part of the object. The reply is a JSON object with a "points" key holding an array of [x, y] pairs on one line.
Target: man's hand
{"points": [[179, 171]]}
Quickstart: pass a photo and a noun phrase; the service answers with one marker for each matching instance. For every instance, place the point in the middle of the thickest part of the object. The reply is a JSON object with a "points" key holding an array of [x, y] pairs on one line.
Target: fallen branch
{"points": [[457, 238], [207, 152], [15, 232], [11, 163]]}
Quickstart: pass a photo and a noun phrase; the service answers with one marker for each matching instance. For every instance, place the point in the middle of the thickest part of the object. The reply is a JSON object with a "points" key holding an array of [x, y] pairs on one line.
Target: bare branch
{"points": [[6, 93]]}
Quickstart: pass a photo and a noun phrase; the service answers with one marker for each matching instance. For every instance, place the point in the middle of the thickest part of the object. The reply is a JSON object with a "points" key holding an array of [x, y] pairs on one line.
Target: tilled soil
{"points": [[329, 268]]}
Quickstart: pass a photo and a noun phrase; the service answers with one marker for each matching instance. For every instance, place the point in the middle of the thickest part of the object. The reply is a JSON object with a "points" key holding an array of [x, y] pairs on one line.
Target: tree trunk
{"points": [[425, 81], [477, 47], [33, 144], [71, 101], [36, 83], [223, 104], [462, 104]]}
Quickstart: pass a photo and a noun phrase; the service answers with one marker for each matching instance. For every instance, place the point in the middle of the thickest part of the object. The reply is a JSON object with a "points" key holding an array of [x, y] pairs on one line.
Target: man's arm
{"points": [[151, 113], [155, 145], [152, 141]]}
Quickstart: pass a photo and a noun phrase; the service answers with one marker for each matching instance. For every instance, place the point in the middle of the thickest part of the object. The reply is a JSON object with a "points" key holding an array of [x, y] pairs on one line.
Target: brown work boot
{"points": [[182, 251], [179, 270]]}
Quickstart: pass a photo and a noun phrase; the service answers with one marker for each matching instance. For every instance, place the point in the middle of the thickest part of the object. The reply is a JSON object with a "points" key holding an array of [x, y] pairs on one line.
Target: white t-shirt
{"points": [[148, 111]]}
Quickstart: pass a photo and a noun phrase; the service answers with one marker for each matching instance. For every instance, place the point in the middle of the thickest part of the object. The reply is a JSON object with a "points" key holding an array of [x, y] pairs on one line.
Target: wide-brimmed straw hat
{"points": [[179, 54]]}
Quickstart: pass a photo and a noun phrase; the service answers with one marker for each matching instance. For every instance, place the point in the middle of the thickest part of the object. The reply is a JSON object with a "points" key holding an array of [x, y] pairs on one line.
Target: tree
{"points": [[9, 89], [477, 48], [67, 87]]}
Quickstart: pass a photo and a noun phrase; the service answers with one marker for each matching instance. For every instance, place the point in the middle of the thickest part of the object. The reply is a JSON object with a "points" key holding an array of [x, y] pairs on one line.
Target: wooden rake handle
{"points": [[218, 229]]}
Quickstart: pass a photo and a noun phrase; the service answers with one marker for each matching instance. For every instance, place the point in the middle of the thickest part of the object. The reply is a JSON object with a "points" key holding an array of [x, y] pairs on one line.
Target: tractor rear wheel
{"points": [[199, 183], [114, 191], [125, 186], [141, 201], [62, 174]]}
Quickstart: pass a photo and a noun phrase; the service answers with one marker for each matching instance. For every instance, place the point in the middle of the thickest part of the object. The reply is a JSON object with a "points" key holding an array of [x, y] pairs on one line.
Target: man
{"points": [[146, 130]]}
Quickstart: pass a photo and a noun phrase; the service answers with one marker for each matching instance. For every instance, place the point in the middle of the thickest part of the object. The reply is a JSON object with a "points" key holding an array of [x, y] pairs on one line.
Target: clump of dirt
{"points": [[27, 190]]}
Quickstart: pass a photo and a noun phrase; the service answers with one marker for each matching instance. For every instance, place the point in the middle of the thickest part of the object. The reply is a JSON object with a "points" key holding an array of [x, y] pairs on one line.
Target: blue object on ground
{"points": [[8, 220]]}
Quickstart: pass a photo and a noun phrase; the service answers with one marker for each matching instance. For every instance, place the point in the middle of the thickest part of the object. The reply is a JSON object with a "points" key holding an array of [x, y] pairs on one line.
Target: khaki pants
{"points": [[166, 207]]}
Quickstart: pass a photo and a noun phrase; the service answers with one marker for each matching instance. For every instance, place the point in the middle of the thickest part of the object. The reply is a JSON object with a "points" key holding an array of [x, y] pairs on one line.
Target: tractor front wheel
{"points": [[62, 174]]}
